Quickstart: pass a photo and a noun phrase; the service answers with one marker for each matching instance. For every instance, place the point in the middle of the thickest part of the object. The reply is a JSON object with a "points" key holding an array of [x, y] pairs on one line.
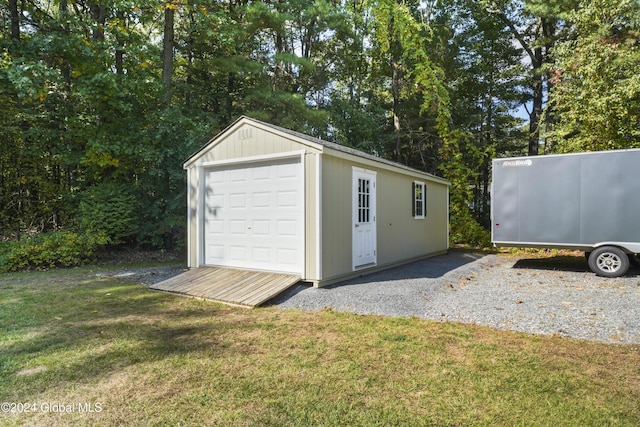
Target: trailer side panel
{"points": [[610, 197], [575, 200]]}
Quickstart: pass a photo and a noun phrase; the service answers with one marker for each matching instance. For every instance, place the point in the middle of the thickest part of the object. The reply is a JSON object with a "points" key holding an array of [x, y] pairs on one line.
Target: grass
{"points": [[144, 358]]}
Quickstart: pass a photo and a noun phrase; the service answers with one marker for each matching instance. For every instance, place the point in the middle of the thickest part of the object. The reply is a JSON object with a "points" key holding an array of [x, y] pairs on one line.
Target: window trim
{"points": [[415, 200]]}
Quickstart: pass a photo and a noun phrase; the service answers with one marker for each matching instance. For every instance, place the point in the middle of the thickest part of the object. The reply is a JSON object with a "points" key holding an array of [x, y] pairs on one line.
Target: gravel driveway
{"points": [[555, 295]]}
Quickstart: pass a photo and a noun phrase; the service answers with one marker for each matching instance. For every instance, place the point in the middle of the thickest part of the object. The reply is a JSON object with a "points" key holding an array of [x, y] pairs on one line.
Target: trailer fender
{"points": [[628, 247]]}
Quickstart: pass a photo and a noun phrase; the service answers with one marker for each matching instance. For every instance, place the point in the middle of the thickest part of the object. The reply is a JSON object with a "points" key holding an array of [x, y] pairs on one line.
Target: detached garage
{"points": [[265, 198]]}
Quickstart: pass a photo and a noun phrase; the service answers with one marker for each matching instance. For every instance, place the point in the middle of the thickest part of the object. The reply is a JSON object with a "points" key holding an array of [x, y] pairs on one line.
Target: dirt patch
{"points": [[146, 275], [31, 371]]}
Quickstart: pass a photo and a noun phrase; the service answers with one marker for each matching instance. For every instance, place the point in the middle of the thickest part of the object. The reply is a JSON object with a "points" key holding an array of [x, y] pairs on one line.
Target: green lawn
{"points": [[72, 341]]}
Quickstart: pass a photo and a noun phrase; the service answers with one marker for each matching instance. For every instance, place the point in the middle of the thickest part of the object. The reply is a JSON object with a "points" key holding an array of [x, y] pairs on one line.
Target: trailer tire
{"points": [[609, 261]]}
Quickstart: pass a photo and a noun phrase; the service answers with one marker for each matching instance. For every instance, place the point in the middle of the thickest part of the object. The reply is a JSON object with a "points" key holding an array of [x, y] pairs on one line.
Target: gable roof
{"points": [[308, 140]]}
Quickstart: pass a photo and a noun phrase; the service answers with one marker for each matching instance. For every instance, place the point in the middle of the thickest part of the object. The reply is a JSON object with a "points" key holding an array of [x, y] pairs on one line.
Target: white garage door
{"points": [[254, 216]]}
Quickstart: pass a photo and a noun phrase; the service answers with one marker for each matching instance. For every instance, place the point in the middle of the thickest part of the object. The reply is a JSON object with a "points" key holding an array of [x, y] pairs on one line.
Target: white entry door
{"points": [[254, 216], [364, 218]]}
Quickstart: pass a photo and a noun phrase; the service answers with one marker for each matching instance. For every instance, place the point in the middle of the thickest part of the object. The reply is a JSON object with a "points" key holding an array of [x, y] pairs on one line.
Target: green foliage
{"points": [[459, 152], [48, 250], [108, 211], [91, 139], [595, 100], [486, 82], [465, 229], [160, 198]]}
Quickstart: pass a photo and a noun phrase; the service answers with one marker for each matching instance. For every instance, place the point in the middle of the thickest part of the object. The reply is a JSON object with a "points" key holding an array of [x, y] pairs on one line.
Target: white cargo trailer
{"points": [[584, 201]]}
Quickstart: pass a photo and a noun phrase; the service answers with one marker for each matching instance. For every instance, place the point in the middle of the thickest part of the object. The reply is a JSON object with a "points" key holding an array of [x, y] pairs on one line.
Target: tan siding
{"points": [[336, 217], [260, 143], [400, 237], [438, 216], [311, 271], [192, 216]]}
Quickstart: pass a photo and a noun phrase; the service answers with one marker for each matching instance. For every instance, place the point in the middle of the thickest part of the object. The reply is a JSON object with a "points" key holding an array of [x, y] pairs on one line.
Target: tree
{"points": [[105, 96], [413, 84], [486, 81], [357, 106], [535, 25], [596, 92], [84, 82]]}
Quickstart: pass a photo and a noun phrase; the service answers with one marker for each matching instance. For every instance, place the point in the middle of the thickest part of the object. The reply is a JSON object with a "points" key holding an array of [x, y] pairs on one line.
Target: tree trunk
{"points": [[119, 54], [15, 19], [15, 36], [536, 111], [395, 88], [99, 15], [549, 28], [65, 67], [537, 57], [227, 114], [167, 51], [394, 46]]}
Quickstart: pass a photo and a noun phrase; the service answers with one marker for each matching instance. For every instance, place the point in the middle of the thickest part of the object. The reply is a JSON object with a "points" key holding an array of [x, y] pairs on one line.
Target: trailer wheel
{"points": [[609, 261]]}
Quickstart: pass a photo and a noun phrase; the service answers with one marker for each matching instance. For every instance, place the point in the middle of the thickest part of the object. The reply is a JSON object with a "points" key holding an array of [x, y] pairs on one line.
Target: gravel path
{"points": [[540, 296]]}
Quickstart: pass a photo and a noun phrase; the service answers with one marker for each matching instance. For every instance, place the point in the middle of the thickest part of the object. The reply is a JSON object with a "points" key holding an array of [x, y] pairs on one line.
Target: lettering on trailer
{"points": [[516, 163]]}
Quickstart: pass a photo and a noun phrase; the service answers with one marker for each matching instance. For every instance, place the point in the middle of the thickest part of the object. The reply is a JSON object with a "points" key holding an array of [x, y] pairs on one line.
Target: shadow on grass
{"points": [[83, 332]]}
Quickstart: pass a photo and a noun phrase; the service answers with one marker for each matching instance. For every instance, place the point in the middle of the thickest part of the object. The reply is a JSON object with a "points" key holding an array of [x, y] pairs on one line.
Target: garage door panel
{"points": [[285, 171], [238, 227], [287, 227], [216, 201], [216, 226], [262, 174], [216, 178], [215, 252], [261, 228], [237, 175], [254, 216], [261, 200], [287, 256], [237, 200], [262, 254], [286, 199], [237, 253]]}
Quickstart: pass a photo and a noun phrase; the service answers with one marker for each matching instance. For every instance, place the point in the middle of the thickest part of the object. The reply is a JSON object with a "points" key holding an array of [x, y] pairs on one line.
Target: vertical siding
{"points": [[336, 217], [311, 246], [248, 141], [400, 237], [192, 217]]}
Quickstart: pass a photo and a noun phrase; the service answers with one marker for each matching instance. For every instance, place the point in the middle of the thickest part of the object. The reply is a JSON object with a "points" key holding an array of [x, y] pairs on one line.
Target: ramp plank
{"points": [[227, 285]]}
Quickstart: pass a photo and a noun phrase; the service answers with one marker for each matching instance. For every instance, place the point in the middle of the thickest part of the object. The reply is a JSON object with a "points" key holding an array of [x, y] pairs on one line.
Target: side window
{"points": [[419, 193]]}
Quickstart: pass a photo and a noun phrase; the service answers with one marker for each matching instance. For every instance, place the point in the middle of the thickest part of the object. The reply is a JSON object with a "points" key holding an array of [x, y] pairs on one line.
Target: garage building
{"points": [[264, 198]]}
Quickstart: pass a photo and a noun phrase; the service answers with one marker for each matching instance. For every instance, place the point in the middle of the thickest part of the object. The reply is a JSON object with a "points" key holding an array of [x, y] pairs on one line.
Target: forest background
{"points": [[103, 100]]}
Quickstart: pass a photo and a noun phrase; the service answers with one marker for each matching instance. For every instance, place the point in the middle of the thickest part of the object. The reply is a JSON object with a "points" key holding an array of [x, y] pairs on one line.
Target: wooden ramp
{"points": [[230, 286]]}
